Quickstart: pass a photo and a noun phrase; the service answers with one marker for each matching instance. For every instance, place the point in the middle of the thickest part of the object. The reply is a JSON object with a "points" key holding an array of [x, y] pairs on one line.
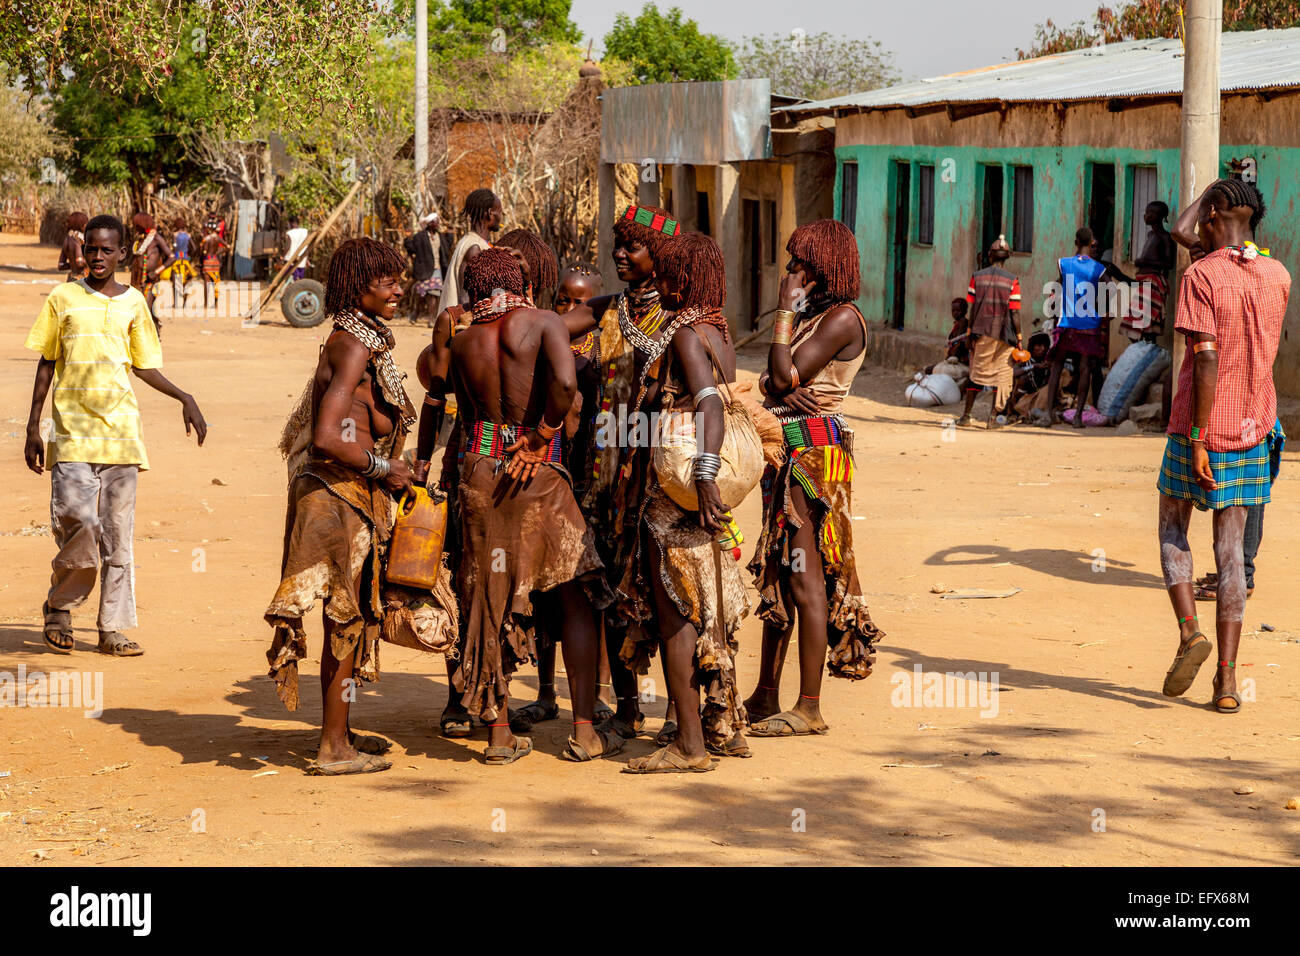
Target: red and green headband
{"points": [[652, 220]]}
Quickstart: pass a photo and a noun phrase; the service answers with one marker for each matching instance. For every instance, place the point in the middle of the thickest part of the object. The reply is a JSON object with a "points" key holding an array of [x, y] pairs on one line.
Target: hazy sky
{"points": [[928, 37]]}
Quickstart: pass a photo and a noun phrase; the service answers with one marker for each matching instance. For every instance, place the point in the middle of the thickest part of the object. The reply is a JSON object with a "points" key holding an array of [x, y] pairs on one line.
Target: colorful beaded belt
{"points": [[492, 439], [813, 431]]}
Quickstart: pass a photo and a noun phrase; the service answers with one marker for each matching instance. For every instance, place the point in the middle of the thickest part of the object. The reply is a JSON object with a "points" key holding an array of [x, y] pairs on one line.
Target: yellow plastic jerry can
{"points": [[415, 549]]}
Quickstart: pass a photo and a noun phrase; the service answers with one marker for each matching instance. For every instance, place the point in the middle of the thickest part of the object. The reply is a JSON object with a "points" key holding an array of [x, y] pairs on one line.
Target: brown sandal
{"points": [[664, 760], [617, 725], [369, 744], [610, 744], [667, 734], [1182, 672], [500, 756], [361, 763], [735, 747], [117, 644], [786, 724], [58, 629]]}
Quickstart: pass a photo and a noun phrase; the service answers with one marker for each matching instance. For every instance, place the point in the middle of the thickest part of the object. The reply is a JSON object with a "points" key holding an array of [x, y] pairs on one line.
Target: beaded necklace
{"points": [[583, 344], [378, 338], [641, 330], [1247, 251], [638, 332], [485, 310]]}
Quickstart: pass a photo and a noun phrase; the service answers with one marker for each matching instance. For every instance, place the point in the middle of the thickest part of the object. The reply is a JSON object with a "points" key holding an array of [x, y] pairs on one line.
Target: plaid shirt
{"points": [[993, 295], [1243, 304]]}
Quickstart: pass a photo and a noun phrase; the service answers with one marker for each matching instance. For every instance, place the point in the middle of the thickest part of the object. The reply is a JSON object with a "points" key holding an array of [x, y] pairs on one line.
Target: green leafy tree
{"points": [[305, 54], [131, 133], [1149, 19], [27, 138], [500, 26], [325, 155], [664, 48], [816, 67]]}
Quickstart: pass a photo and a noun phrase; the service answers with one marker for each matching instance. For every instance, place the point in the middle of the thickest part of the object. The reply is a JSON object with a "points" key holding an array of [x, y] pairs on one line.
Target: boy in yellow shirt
{"points": [[91, 334]]}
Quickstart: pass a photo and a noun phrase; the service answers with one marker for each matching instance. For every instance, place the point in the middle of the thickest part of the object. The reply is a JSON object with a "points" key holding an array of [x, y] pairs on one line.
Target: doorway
{"points": [[752, 265], [991, 212], [1101, 207], [902, 206]]}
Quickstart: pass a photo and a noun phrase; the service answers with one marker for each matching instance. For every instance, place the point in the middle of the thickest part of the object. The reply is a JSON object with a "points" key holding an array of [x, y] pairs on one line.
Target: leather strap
{"points": [[719, 376], [718, 626]]}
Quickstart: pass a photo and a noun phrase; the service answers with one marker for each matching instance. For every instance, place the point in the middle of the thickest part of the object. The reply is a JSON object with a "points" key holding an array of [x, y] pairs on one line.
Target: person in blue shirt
{"points": [[1083, 328]]}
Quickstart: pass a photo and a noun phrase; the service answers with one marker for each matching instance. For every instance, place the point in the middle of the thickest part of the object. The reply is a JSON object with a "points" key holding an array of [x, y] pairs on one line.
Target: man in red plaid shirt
{"points": [[1225, 442]]}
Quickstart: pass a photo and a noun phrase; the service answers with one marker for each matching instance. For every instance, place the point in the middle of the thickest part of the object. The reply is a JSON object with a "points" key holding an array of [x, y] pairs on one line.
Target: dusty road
{"points": [[194, 761]]}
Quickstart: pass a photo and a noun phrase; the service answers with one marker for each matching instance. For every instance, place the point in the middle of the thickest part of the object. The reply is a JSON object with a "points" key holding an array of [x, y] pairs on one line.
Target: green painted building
{"points": [[928, 174]]}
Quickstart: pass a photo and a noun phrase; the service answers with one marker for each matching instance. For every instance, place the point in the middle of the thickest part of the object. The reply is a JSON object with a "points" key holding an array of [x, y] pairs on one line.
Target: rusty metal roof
{"points": [[700, 123], [1250, 60]]}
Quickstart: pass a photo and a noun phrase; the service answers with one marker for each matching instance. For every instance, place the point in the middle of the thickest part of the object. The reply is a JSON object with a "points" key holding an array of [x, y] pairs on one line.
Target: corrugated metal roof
{"points": [[702, 124], [1257, 59]]}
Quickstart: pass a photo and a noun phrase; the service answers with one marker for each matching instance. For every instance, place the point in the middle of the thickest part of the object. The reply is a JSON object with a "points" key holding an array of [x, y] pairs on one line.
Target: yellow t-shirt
{"points": [[94, 340]]}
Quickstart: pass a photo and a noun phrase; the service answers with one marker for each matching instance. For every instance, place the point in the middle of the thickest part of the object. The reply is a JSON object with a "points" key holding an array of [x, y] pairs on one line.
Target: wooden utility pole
{"points": [[421, 103], [1199, 165]]}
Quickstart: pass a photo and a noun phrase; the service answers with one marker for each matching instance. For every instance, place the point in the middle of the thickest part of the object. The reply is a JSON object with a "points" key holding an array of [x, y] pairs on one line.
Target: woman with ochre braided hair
{"points": [[621, 324], [678, 590], [804, 566], [343, 444]]}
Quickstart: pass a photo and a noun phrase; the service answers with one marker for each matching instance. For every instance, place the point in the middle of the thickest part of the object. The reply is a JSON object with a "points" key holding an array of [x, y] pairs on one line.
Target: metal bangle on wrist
{"points": [[783, 327], [376, 467], [707, 466], [704, 393]]}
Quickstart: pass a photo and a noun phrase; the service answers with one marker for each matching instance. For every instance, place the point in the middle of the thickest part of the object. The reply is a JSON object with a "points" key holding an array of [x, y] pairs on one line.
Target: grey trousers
{"points": [[92, 515], [1254, 536]]}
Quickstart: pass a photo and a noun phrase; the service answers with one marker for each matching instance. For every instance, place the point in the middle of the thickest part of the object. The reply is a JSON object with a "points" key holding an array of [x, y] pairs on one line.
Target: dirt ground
{"points": [[194, 761]]}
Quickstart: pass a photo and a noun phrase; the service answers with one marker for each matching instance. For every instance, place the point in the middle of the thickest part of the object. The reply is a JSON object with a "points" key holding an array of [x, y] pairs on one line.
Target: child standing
{"points": [[91, 333]]}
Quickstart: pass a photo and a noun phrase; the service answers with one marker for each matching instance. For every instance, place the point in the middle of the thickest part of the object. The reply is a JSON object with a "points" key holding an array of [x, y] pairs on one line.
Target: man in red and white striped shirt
{"points": [[994, 297]]}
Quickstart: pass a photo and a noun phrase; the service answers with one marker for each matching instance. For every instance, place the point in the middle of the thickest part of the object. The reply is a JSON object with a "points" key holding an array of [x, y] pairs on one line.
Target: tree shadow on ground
{"points": [[868, 814]]}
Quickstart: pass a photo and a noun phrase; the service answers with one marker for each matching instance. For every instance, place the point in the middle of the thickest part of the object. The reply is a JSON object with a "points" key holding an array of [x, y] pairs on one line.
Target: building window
{"points": [[1145, 191], [702, 217], [772, 238], [1022, 212], [849, 195], [925, 212]]}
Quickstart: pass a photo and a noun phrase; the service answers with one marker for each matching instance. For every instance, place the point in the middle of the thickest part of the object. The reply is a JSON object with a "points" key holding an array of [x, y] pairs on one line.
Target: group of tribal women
{"points": [[559, 528]]}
